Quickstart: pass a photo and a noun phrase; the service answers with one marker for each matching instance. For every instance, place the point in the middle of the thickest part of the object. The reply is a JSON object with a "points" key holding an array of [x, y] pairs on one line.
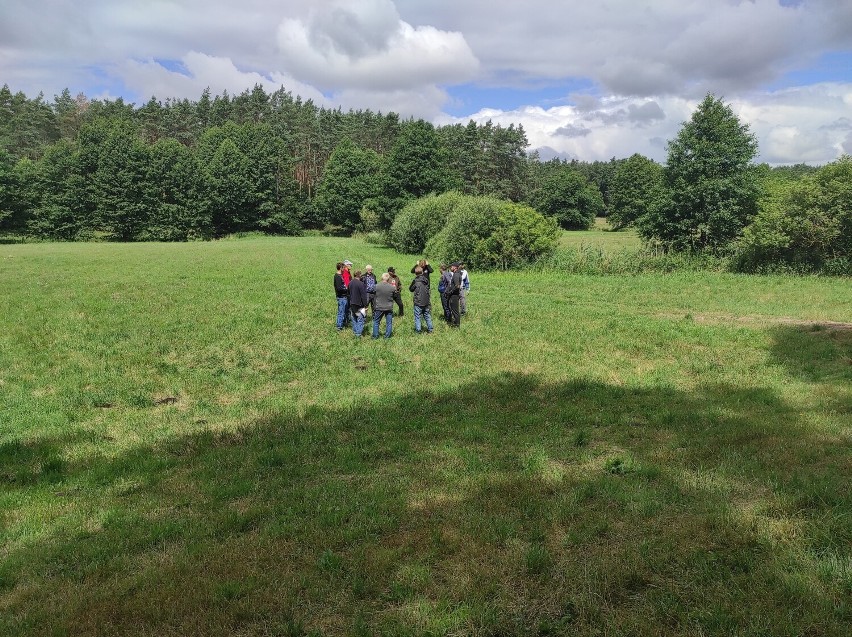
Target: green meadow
{"points": [[188, 447], [602, 237]]}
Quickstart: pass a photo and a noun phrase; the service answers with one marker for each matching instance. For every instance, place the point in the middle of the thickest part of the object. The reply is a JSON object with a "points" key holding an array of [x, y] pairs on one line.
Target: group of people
{"points": [[357, 292]]}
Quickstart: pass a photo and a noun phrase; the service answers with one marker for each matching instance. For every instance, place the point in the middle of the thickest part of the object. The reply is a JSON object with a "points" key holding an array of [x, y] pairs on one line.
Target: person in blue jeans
{"points": [[422, 300], [383, 306], [342, 294], [358, 302]]}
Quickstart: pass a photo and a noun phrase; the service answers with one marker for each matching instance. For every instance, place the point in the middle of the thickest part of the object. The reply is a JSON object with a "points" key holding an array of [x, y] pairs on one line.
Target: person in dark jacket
{"points": [[394, 281], [422, 300], [358, 301], [383, 306], [443, 284], [369, 280], [453, 292], [342, 294], [423, 264]]}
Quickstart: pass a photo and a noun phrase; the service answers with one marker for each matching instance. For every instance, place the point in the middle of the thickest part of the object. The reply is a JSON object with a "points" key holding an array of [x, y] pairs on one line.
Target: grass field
{"points": [[602, 237], [188, 447]]}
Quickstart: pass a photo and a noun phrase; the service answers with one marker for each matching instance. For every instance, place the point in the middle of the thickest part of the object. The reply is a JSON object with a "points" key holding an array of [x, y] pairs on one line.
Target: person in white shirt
{"points": [[464, 289]]}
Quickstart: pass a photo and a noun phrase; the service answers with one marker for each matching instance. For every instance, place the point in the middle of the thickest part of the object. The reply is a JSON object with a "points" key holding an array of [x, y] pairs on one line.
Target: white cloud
{"points": [[202, 71], [647, 63], [798, 124], [366, 46], [794, 125], [656, 47]]}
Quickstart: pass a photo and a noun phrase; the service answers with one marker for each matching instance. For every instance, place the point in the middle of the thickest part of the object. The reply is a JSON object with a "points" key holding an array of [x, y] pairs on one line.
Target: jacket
{"points": [[340, 289], [455, 284], [383, 301], [447, 278], [357, 295], [369, 282], [426, 271], [420, 287]]}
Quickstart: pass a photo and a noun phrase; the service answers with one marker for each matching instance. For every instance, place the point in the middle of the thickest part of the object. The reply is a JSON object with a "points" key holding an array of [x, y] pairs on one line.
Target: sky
{"points": [[587, 79]]}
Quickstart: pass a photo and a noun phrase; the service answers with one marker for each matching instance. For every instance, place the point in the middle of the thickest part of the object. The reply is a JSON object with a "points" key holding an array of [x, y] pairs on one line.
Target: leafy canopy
{"points": [[570, 198], [635, 190], [711, 186]]}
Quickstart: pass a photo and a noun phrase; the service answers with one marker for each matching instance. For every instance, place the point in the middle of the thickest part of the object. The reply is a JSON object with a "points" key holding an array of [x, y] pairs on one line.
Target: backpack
{"points": [[370, 284]]}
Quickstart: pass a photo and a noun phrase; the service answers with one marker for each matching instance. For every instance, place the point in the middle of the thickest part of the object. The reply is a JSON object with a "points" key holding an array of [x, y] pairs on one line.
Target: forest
{"points": [[89, 169]]}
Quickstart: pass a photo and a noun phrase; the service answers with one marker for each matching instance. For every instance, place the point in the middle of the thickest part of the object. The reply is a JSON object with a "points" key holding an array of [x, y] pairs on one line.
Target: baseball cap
{"points": [[347, 262]]}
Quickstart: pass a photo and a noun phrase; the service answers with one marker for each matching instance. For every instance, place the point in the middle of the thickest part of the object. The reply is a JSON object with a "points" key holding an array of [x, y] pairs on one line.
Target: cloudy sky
{"points": [[591, 79]]}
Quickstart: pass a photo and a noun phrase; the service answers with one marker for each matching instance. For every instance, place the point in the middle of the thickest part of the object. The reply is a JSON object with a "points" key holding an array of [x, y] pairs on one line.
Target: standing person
{"points": [[394, 281], [465, 288], [370, 283], [386, 293], [443, 284], [358, 301], [453, 293], [347, 272], [341, 291], [422, 300], [423, 264]]}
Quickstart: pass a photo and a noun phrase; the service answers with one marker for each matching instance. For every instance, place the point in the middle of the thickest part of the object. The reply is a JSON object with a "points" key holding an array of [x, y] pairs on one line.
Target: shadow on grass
{"points": [[814, 353], [512, 506]]}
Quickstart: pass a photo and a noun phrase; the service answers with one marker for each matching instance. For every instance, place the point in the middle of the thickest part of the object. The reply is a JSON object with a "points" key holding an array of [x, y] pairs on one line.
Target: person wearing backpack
{"points": [[358, 301], [369, 280], [422, 301], [443, 284], [453, 293]]}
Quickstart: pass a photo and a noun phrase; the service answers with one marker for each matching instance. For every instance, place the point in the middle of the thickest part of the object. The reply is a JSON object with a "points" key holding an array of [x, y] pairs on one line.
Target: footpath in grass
{"points": [[187, 446]]}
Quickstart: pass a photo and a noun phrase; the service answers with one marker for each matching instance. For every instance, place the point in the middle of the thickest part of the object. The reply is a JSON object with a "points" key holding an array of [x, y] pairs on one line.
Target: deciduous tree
{"points": [[634, 191], [570, 198], [711, 185], [350, 179]]}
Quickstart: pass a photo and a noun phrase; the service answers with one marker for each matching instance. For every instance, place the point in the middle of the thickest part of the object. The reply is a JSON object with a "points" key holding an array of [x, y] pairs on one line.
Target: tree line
{"points": [[77, 169], [180, 169]]}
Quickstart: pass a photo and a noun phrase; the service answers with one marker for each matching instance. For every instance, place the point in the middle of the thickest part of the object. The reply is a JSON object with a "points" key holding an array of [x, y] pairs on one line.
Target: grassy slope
{"points": [[187, 446]]}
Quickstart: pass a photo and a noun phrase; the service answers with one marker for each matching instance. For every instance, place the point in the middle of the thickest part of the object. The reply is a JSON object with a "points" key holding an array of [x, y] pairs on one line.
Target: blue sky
{"points": [[591, 80]]}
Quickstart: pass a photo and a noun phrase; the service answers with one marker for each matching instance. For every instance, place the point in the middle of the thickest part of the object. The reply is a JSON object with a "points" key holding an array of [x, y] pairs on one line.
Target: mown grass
{"points": [[188, 447]]}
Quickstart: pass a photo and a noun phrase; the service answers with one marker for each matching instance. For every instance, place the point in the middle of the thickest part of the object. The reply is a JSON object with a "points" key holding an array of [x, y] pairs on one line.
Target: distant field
{"points": [[601, 236], [187, 446]]}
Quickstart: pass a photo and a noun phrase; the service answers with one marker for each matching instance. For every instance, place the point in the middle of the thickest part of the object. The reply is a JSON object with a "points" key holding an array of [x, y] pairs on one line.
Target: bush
{"points": [[489, 233], [595, 260], [804, 227], [421, 219]]}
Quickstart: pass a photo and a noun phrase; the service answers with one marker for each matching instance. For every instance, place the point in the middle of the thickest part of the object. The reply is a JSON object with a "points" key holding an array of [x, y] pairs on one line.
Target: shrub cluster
{"points": [[485, 232], [803, 227], [595, 260]]}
